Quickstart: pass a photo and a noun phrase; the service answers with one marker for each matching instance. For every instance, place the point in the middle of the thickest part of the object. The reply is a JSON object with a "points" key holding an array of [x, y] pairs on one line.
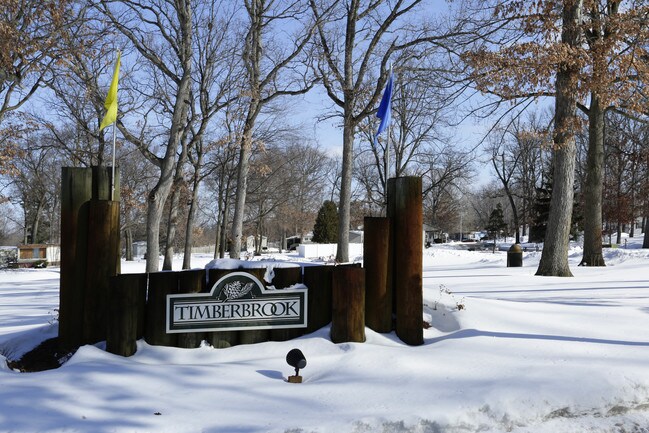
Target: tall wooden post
{"points": [[102, 263], [76, 191], [378, 274], [89, 254], [405, 209]]}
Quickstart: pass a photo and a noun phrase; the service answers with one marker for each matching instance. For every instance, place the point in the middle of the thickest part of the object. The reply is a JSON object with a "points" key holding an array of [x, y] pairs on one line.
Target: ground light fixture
{"points": [[295, 358]]}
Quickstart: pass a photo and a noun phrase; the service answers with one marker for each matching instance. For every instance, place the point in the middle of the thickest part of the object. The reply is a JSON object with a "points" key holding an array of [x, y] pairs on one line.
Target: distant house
{"points": [[139, 249], [35, 255], [356, 236], [251, 243]]}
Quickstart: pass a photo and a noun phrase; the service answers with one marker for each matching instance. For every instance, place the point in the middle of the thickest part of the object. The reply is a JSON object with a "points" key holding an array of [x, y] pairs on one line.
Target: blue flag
{"points": [[384, 112]]}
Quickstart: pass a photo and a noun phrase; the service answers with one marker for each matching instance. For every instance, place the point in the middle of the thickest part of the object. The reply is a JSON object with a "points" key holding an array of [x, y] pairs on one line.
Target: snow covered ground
{"points": [[507, 352]]}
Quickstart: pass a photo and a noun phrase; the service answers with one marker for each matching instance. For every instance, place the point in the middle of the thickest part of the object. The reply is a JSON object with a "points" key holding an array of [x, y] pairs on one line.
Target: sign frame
{"points": [[256, 307]]}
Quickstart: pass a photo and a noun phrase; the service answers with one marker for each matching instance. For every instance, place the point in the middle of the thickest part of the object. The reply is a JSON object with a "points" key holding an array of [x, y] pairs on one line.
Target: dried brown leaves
{"points": [[612, 60]]}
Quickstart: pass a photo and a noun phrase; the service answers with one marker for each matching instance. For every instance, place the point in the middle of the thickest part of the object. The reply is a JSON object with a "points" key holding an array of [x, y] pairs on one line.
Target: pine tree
{"points": [[496, 224], [325, 229], [540, 212]]}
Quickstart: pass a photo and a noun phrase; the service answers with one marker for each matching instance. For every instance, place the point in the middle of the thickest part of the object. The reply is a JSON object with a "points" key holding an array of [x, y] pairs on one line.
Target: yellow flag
{"points": [[111, 98]]}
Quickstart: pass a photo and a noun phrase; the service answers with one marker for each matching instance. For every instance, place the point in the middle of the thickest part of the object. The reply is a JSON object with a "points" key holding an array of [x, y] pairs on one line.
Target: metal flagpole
{"points": [[387, 154], [112, 174]]}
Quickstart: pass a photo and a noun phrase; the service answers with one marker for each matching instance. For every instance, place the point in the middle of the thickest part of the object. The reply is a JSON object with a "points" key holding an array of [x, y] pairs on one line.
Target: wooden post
{"points": [[101, 183], [318, 280], [125, 297], [192, 281], [286, 277], [255, 335], [89, 254], [348, 307], [220, 339], [102, 263], [406, 213], [76, 191], [378, 274], [161, 284]]}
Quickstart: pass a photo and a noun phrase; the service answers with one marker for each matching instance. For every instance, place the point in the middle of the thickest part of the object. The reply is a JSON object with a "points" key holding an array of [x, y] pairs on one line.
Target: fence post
{"points": [[220, 339], [286, 277], [378, 274], [348, 306], [318, 280], [191, 281], [255, 335], [125, 297], [161, 284], [405, 210]]}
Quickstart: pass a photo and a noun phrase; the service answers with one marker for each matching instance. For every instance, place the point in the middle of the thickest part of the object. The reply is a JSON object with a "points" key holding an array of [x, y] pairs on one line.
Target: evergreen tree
{"points": [[325, 229], [496, 224], [540, 212]]}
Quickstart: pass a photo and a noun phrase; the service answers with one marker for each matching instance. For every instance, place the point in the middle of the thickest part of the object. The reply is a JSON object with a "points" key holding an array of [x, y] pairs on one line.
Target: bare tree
{"points": [[271, 72], [355, 40], [418, 145], [169, 59]]}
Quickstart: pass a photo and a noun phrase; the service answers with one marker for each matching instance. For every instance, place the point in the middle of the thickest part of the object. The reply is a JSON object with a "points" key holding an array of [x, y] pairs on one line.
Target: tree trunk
{"points": [[160, 192], [157, 198], [219, 221], [344, 206], [594, 186], [128, 244], [236, 234], [223, 229], [189, 238], [172, 223], [554, 258], [36, 222]]}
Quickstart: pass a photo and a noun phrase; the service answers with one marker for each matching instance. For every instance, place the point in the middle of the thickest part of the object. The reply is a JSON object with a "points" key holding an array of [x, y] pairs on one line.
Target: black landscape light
{"points": [[295, 358]]}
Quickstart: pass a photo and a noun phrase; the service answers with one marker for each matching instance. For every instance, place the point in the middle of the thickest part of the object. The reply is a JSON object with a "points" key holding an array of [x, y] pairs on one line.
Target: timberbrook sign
{"points": [[238, 301]]}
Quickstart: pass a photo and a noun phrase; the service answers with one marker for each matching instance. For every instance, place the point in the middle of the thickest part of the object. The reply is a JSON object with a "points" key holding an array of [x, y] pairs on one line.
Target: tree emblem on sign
{"points": [[235, 290]]}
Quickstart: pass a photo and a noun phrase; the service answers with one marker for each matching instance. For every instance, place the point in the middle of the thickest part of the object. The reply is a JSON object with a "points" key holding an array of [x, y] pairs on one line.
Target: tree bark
{"points": [[189, 238], [594, 186], [128, 243], [554, 258], [172, 223], [344, 205], [236, 234]]}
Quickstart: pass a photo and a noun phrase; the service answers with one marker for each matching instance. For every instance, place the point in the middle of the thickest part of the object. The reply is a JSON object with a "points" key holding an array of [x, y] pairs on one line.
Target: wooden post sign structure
{"points": [[229, 307], [89, 253]]}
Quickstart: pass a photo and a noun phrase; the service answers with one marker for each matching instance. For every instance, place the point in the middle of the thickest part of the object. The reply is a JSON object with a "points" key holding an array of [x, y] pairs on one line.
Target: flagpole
{"points": [[384, 114], [112, 174], [387, 145]]}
